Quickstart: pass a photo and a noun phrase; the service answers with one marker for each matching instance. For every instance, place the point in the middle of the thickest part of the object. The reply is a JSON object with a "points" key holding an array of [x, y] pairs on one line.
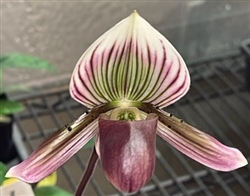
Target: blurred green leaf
{"points": [[3, 171], [50, 191], [24, 61], [10, 107], [90, 144]]}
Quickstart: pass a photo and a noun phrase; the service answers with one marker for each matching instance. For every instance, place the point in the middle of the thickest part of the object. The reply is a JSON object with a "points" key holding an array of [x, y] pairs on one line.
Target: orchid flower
{"points": [[126, 77]]}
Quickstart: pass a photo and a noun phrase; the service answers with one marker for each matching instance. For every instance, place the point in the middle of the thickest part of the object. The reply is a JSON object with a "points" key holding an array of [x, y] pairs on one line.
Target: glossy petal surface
{"points": [[127, 151], [131, 61], [200, 146], [54, 152], [197, 145]]}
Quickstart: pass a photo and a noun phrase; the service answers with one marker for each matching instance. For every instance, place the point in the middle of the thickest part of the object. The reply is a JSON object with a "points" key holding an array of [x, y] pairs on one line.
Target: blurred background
{"points": [[209, 36]]}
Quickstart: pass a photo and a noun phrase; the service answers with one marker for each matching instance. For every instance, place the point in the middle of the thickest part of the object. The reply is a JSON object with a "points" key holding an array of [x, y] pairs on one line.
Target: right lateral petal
{"points": [[200, 146]]}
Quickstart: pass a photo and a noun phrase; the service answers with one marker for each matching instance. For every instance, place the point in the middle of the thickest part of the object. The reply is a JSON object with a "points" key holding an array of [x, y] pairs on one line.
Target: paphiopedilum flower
{"points": [[126, 77]]}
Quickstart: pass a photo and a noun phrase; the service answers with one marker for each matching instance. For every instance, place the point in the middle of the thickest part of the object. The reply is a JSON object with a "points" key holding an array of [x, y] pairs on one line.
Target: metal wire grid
{"points": [[245, 48], [217, 103]]}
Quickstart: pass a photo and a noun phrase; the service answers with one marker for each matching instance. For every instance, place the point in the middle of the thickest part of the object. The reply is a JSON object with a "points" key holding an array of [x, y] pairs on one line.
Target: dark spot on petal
{"points": [[69, 128], [169, 126], [170, 114], [181, 121]]}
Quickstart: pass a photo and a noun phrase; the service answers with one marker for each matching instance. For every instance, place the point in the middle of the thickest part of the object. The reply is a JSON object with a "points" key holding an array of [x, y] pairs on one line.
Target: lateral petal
{"points": [[200, 146], [127, 151], [58, 148], [197, 145]]}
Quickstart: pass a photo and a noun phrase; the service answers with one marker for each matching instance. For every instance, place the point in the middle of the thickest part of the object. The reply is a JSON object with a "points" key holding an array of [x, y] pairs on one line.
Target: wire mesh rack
{"points": [[218, 103]]}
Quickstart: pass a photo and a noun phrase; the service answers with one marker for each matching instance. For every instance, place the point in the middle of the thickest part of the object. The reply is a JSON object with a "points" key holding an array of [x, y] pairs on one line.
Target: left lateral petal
{"points": [[55, 151], [127, 151]]}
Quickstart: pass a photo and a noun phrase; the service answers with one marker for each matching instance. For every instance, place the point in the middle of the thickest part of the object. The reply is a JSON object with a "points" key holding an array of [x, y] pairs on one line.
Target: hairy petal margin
{"points": [[58, 148], [197, 145]]}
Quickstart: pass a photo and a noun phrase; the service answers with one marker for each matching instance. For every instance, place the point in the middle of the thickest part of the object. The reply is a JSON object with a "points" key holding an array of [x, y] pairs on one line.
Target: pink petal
{"points": [[200, 146], [127, 151], [203, 148], [131, 61], [197, 145], [55, 151]]}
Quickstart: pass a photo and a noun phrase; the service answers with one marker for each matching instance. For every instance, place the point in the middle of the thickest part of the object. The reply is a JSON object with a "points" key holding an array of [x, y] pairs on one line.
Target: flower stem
{"points": [[88, 173]]}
